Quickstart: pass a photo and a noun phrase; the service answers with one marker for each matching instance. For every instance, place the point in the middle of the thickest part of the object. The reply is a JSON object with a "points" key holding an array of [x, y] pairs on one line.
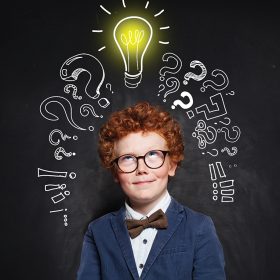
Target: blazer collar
{"points": [[121, 232], [174, 216]]}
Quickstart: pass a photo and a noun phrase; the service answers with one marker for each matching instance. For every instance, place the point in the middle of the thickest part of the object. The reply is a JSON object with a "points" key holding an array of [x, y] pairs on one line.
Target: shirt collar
{"points": [[162, 204]]}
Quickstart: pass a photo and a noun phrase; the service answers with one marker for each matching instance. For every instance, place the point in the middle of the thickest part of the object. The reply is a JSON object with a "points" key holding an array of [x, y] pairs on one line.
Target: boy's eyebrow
{"points": [[148, 150]]}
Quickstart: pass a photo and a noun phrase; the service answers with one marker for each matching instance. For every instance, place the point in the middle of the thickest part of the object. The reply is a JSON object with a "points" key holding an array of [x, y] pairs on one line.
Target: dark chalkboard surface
{"points": [[230, 118]]}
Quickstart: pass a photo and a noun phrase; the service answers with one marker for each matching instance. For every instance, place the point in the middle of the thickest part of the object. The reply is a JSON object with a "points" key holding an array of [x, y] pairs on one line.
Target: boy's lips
{"points": [[143, 182]]}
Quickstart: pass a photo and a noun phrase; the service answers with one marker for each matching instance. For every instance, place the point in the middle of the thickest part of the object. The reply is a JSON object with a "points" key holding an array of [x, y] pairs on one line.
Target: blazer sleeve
{"points": [[89, 268], [209, 258]]}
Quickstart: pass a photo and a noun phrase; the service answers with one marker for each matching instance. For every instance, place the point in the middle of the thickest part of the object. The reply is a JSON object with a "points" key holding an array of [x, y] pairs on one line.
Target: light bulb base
{"points": [[132, 81]]}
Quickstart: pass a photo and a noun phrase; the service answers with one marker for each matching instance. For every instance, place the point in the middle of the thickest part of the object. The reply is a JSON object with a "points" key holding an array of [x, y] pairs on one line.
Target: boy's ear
{"points": [[172, 168]]}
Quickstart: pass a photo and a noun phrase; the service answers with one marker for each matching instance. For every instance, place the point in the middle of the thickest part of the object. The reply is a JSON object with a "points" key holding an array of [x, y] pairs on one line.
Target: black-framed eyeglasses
{"points": [[129, 163]]}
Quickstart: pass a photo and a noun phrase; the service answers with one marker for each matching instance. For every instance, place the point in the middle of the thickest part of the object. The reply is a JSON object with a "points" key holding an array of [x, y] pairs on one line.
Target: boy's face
{"points": [[144, 186]]}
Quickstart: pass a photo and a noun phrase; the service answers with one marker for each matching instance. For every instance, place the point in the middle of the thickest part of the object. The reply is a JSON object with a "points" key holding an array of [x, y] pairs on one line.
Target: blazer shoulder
{"points": [[195, 214], [177, 206], [104, 220], [199, 221], [196, 219]]}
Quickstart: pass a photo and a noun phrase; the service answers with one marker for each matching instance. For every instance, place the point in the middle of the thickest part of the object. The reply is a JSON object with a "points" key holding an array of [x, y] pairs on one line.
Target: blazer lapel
{"points": [[119, 227], [174, 216]]}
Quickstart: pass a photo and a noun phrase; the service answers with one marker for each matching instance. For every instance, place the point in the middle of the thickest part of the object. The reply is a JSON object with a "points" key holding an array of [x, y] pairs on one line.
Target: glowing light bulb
{"points": [[133, 35]]}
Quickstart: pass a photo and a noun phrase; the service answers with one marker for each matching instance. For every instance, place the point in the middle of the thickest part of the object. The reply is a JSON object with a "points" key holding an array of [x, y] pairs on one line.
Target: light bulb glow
{"points": [[133, 35]]}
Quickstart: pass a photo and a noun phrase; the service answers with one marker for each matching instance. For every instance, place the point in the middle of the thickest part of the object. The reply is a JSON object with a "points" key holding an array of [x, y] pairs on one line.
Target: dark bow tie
{"points": [[156, 220]]}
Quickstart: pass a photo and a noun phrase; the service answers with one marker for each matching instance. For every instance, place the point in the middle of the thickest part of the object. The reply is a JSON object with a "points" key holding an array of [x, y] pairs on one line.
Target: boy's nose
{"points": [[142, 167]]}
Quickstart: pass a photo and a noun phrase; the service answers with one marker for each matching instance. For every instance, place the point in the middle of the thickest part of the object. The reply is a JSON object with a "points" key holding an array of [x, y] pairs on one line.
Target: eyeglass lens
{"points": [[153, 159]]}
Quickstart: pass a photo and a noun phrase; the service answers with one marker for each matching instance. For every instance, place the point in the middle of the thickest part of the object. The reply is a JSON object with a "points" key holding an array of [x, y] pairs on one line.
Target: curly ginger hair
{"points": [[141, 117]]}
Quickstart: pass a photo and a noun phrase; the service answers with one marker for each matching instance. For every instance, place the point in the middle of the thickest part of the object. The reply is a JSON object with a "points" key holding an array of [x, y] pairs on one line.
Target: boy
{"points": [[152, 236]]}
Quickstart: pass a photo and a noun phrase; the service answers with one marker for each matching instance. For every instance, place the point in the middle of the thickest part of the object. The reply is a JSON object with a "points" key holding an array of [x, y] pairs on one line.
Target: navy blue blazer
{"points": [[188, 249]]}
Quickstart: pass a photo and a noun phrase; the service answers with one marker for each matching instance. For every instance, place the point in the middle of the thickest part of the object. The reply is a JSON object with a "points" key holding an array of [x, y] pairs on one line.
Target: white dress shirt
{"points": [[142, 244]]}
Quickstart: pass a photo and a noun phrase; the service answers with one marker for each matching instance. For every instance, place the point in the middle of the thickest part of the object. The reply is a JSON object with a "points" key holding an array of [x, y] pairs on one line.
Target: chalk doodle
{"points": [[58, 210], [215, 191], [172, 83], [226, 195], [229, 138], [215, 110], [64, 137], [66, 106], [65, 219], [84, 63], [230, 153], [220, 170], [181, 104], [208, 134], [204, 134], [214, 153], [49, 173], [232, 92], [74, 91], [159, 13], [103, 102], [226, 190], [61, 150], [167, 57], [227, 119], [226, 184], [105, 10], [109, 86], [86, 109], [161, 88], [51, 187], [59, 197], [212, 84], [196, 77]]}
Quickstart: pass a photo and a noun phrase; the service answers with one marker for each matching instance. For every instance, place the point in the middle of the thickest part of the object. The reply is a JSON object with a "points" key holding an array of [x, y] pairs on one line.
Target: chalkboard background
{"points": [[38, 38]]}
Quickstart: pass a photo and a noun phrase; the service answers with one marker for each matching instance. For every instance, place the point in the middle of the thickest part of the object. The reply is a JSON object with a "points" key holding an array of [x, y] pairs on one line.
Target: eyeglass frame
{"points": [[137, 160]]}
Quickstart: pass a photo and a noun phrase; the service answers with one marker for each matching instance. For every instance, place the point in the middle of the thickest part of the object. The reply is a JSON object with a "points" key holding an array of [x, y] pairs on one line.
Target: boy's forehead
{"points": [[139, 142]]}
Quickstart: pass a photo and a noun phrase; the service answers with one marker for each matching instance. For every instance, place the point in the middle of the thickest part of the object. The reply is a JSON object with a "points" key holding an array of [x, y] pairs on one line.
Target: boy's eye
{"points": [[127, 158], [153, 154]]}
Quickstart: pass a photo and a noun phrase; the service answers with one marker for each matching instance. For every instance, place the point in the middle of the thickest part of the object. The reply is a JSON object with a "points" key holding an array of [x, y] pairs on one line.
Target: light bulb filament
{"points": [[132, 40]]}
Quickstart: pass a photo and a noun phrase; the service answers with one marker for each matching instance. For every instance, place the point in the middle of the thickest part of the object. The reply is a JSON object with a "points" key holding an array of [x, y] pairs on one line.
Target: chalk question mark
{"points": [[227, 133], [64, 137], [64, 103], [67, 89], [214, 154], [109, 86], [233, 153], [212, 84], [161, 87], [227, 119], [231, 93], [174, 84], [178, 102], [84, 62], [193, 76], [168, 69], [204, 134], [87, 109], [61, 150]]}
